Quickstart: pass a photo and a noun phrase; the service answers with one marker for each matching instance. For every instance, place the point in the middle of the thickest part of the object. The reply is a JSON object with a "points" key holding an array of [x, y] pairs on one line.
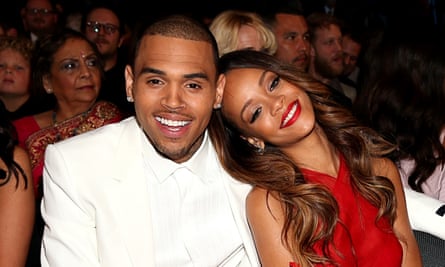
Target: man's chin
{"points": [[300, 64]]}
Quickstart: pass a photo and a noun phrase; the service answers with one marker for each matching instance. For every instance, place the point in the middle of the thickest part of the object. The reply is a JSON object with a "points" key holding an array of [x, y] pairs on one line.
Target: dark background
{"points": [[410, 16]]}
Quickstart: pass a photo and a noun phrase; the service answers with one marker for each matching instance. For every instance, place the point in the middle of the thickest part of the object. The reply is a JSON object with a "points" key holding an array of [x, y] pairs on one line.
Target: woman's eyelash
{"points": [[274, 83], [255, 115]]}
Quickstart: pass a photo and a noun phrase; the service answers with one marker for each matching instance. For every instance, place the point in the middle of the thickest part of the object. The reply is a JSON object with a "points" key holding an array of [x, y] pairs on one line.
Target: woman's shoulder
{"points": [[387, 168], [21, 158], [257, 194], [263, 203]]}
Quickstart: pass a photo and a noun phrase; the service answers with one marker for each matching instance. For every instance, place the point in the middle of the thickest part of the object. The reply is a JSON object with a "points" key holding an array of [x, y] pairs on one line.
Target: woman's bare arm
{"points": [[17, 211], [402, 227], [266, 224]]}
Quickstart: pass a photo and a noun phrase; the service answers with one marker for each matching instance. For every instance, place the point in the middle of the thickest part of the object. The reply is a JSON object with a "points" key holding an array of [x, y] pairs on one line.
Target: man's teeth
{"points": [[171, 123], [290, 114]]}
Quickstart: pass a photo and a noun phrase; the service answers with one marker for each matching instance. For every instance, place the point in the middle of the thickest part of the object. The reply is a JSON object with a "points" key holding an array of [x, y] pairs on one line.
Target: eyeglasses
{"points": [[41, 11], [95, 26]]}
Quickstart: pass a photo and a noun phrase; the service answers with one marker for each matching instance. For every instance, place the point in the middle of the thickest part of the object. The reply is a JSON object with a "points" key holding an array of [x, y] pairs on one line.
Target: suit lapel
{"points": [[131, 199], [237, 193]]}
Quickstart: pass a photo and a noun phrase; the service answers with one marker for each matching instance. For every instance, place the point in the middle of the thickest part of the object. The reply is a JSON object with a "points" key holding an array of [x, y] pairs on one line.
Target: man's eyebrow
{"points": [[152, 70], [201, 75]]}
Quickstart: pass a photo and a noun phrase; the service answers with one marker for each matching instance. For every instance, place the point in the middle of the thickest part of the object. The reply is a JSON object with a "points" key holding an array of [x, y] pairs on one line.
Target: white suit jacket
{"points": [[96, 205], [423, 212]]}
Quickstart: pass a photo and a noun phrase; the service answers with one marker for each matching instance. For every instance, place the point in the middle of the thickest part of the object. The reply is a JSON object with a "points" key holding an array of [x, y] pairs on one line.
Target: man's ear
{"points": [[255, 142], [47, 84], [129, 80], [312, 51], [219, 91]]}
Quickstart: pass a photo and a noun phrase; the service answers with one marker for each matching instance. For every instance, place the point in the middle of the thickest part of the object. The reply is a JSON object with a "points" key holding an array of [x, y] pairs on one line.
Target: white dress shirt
{"points": [[193, 224]]}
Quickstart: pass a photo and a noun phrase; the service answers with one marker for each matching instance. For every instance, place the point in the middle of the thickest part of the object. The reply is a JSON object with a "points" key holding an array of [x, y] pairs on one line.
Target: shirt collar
{"points": [[200, 164], [34, 37]]}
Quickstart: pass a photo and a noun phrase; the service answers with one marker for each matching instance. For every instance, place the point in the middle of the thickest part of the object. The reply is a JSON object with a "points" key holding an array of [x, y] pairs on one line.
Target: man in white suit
{"points": [[150, 191]]}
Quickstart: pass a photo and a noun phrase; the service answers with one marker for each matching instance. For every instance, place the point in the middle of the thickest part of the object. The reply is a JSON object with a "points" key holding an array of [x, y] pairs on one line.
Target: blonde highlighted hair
{"points": [[226, 26]]}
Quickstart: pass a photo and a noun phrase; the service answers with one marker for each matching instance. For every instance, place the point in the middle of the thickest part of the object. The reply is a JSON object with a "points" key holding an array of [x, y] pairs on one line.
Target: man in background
{"points": [[352, 48], [40, 18], [291, 32], [103, 25], [326, 53]]}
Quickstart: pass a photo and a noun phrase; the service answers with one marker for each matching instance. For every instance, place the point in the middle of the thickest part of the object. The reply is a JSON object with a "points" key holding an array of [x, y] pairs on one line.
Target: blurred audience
{"points": [[237, 30], [326, 53], [16, 197], [352, 48], [73, 20], [40, 18], [7, 28], [291, 32], [329, 7], [103, 25], [15, 76]]}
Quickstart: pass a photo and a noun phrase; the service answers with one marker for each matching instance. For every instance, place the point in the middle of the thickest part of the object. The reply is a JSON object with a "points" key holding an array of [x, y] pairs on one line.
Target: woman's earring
{"points": [[259, 150], [130, 99]]}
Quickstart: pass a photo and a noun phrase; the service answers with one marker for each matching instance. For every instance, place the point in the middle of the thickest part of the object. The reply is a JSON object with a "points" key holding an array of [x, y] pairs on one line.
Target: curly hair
{"points": [[20, 44], [311, 211]]}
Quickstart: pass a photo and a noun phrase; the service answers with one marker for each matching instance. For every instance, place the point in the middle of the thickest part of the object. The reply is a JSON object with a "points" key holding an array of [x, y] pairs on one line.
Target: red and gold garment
{"points": [[98, 115]]}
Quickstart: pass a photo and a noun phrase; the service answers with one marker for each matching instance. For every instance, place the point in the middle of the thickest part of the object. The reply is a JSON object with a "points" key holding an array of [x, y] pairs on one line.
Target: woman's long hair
{"points": [[8, 142], [310, 209], [402, 99]]}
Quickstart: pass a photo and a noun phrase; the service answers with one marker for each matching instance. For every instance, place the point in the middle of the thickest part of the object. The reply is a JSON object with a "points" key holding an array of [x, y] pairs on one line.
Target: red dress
{"points": [[25, 127], [357, 237]]}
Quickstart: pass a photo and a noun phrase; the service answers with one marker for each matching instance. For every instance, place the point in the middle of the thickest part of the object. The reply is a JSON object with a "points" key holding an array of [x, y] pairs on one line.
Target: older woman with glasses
{"points": [[68, 67]]}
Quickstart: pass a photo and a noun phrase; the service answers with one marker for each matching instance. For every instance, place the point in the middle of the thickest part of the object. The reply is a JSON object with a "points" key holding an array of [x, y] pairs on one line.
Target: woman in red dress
{"points": [[324, 194]]}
